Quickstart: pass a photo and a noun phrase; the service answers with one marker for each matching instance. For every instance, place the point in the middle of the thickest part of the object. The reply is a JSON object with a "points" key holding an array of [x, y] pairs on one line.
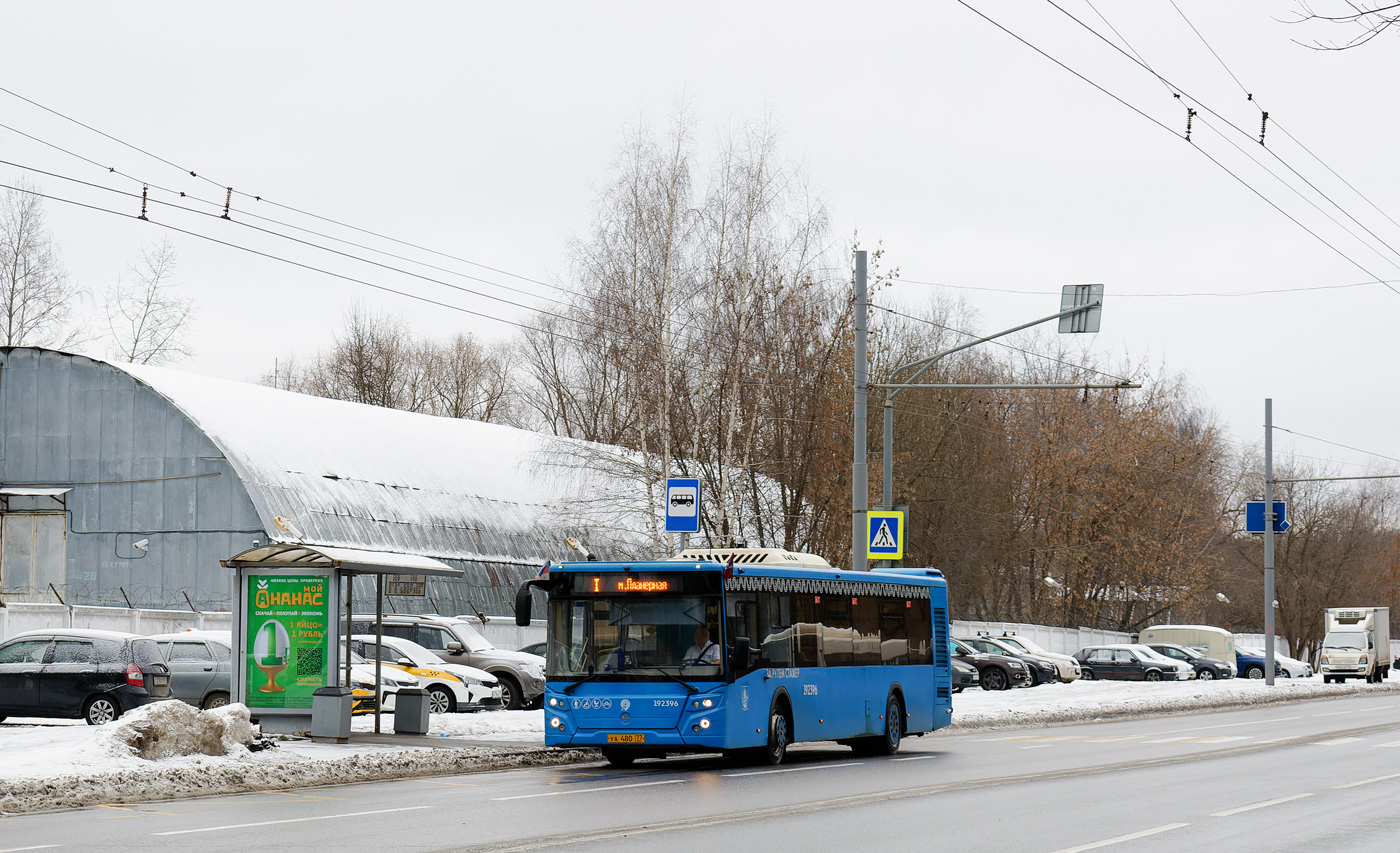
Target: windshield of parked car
{"points": [[1347, 640], [397, 649], [471, 637], [1152, 654], [1021, 642]]}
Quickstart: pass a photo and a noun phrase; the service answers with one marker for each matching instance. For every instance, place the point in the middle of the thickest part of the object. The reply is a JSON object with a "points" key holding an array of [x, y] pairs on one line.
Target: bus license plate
{"points": [[627, 738]]}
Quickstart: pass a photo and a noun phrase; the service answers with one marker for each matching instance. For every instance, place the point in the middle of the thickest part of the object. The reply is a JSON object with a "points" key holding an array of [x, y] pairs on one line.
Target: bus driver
{"points": [[702, 651]]}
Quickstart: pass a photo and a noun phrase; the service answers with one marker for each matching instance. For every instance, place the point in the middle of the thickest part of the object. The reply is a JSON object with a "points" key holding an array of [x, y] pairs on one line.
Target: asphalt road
{"points": [[1310, 776]]}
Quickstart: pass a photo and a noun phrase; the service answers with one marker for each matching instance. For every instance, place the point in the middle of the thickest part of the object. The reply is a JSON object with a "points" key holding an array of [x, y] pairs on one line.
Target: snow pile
{"points": [[173, 728], [527, 726], [1090, 701]]}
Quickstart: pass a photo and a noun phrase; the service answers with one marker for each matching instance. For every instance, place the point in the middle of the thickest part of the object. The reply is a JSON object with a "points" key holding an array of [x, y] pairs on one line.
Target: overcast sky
{"points": [[484, 130]]}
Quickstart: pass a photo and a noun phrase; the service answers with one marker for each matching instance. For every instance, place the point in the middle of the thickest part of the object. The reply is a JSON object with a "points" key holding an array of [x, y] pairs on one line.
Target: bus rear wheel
{"points": [[887, 743]]}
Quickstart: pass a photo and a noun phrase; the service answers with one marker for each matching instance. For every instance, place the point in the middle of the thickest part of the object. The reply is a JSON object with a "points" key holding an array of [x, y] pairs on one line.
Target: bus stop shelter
{"points": [[291, 620]]}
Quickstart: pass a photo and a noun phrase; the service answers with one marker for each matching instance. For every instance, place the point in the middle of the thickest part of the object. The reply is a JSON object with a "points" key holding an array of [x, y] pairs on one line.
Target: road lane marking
{"points": [[1392, 743], [1121, 838], [590, 790], [1368, 781], [288, 820], [1332, 714], [790, 769], [1224, 726], [35, 847], [1264, 804], [1336, 741], [1038, 746], [913, 758]]}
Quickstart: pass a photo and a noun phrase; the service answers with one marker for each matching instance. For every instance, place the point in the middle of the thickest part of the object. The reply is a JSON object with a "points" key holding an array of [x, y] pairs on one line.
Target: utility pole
{"points": [[1269, 541], [860, 482]]}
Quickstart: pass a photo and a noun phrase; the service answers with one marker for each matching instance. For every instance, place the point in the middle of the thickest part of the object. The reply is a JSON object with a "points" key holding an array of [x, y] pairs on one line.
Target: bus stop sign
{"points": [[683, 505]]}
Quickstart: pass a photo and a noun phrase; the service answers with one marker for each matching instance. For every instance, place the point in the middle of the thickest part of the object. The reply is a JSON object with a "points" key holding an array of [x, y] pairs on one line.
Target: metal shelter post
{"points": [[378, 645], [860, 478]]}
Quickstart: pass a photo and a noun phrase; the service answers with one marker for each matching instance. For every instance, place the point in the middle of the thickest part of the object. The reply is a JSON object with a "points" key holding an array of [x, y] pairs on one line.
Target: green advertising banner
{"points": [[287, 628]]}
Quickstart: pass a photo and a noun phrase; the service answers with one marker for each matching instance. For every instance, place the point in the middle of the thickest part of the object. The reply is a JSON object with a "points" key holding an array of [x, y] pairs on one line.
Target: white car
{"points": [[1288, 667], [450, 686], [1066, 666]]}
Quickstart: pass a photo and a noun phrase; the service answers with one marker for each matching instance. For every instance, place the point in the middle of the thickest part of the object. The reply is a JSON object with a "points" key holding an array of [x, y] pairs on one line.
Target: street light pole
{"points": [[860, 476], [1269, 541]]}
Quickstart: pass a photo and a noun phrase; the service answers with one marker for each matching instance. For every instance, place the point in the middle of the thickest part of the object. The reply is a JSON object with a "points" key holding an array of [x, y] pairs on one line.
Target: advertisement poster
{"points": [[288, 619]]}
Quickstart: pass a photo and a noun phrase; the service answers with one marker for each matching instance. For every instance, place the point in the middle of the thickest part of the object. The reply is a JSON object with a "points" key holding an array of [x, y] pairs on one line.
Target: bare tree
{"points": [[36, 298], [1366, 21], [147, 315]]}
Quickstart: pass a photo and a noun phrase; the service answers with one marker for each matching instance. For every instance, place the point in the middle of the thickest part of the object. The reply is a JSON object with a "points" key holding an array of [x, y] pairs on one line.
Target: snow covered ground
{"points": [[49, 764]]}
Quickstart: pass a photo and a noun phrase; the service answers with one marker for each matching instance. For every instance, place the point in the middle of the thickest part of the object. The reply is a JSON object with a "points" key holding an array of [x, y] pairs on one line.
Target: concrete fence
{"points": [[16, 617], [1065, 641]]}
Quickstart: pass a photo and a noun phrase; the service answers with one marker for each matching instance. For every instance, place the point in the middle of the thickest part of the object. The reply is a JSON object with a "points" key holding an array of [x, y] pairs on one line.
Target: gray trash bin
{"points": [[330, 713], [411, 711]]}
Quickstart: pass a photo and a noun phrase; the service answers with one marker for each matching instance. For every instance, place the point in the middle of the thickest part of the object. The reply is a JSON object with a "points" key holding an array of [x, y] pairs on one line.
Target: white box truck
{"points": [[1357, 644]]}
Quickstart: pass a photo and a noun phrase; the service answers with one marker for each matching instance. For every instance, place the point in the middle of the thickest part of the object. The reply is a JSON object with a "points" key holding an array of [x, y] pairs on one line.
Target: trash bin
{"points": [[411, 711], [330, 713]]}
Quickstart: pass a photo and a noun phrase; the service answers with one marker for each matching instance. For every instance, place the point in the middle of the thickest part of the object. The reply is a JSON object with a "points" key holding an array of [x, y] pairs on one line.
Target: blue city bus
{"points": [[651, 658]]}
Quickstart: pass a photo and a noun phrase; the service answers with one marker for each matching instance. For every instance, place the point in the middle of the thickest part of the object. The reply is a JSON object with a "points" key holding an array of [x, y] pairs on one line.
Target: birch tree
{"points": [[146, 314], [37, 299]]}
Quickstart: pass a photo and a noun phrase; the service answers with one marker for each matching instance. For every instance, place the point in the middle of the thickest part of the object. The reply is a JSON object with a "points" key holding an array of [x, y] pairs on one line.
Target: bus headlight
{"points": [[556, 723], [705, 724], [707, 703], [554, 701]]}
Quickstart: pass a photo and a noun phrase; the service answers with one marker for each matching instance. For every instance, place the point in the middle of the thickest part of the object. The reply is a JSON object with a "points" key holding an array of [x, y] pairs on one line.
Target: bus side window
{"points": [[775, 629], [920, 632], [807, 631], [894, 632], [836, 630], [865, 620]]}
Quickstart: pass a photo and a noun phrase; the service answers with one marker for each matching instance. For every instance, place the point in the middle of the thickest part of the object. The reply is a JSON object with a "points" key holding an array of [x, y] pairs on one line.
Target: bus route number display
{"points": [[615, 584]]}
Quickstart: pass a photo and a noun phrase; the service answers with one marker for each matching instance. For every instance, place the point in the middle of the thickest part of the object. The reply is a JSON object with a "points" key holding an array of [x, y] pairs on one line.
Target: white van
{"points": [[1209, 641]]}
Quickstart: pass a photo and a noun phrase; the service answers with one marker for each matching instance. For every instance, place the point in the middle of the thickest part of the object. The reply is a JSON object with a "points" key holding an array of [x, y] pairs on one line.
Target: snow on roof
{"points": [[359, 476]]}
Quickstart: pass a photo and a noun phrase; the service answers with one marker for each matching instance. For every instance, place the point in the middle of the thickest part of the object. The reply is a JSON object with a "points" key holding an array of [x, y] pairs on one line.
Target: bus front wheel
{"points": [[778, 734]]}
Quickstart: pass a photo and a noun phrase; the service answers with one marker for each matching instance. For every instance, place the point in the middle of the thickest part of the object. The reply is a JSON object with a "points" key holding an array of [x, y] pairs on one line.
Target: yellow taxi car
{"points": [[450, 686]]}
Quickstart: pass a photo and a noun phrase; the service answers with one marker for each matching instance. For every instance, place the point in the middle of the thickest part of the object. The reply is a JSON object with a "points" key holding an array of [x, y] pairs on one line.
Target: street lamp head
{"points": [[1052, 583], [1221, 596]]}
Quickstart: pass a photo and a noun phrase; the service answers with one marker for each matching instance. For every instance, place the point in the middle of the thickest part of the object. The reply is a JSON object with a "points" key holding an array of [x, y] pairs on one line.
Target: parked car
{"points": [[1184, 670], [1207, 668], [1128, 662], [1206, 639], [450, 686], [1252, 666], [535, 648], [455, 640], [1042, 670], [200, 665], [964, 676], [79, 673], [1068, 667], [1284, 665], [994, 672]]}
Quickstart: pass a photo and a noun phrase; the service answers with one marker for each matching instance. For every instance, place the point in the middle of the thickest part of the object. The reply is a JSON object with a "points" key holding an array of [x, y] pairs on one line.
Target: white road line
{"points": [[1224, 726], [289, 820], [35, 847], [1367, 781], [1392, 743], [1338, 741], [590, 790], [1037, 746], [1264, 804], [1332, 714], [1120, 839], [791, 769], [912, 758]]}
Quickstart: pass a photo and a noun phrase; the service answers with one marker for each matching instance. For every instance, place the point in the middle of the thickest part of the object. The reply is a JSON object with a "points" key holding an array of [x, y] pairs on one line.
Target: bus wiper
{"points": [[572, 687], [682, 682]]}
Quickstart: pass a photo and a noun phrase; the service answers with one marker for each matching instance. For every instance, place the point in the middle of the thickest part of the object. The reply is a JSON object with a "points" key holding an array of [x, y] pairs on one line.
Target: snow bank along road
{"points": [[47, 764]]}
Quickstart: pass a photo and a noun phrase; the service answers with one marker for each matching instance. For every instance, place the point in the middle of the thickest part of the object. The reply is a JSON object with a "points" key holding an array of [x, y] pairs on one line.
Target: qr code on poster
{"points": [[310, 665]]}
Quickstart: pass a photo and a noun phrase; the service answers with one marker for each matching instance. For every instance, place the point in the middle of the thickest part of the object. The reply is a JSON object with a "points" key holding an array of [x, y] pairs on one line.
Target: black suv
{"points": [[72, 672], [1206, 668], [995, 672]]}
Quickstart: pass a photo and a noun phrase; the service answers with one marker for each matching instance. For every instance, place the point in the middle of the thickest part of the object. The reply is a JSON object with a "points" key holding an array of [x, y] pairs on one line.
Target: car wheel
{"points": [[101, 709], [1086, 674], [511, 697], [1205, 675], [217, 699], [1254, 671], [619, 757], [778, 733], [894, 727], [1152, 675], [994, 679], [1035, 677], [441, 700]]}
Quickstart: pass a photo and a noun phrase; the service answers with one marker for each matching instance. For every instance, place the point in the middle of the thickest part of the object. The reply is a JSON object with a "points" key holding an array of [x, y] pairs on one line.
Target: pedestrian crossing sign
{"points": [[885, 535]]}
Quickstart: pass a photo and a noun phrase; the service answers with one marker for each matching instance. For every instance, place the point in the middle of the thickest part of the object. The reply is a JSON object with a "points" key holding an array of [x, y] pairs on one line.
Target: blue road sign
{"points": [[1254, 517], [884, 535], [683, 505]]}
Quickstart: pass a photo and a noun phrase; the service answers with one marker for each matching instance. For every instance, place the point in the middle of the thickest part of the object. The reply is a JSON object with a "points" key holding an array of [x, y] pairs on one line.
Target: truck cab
{"points": [[1357, 644]]}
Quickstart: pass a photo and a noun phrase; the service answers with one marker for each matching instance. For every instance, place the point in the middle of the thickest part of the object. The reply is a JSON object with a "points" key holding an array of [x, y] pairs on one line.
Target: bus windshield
{"points": [[629, 637]]}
